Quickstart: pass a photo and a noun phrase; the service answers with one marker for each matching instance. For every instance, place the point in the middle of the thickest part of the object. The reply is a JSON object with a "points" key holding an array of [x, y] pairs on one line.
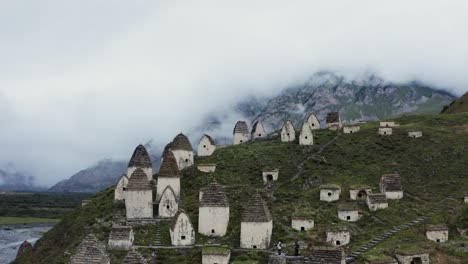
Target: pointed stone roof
{"points": [[134, 257], [176, 218], [214, 196], [168, 167], [24, 247], [120, 233], [138, 181], [333, 117], [287, 124], [375, 198], [212, 142], [390, 183], [90, 251], [256, 210], [181, 142], [255, 125], [241, 127], [140, 158], [168, 188], [325, 255]]}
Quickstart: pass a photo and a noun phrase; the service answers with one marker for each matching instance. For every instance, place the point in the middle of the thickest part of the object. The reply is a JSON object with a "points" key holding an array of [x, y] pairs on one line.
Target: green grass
{"points": [[431, 167], [26, 220]]}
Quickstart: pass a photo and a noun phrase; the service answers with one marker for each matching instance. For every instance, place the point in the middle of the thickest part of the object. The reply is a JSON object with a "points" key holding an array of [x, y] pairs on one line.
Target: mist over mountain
{"points": [[12, 179], [367, 98]]}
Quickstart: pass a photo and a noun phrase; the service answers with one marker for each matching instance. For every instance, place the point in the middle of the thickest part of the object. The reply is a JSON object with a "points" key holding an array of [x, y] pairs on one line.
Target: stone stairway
{"points": [[157, 239], [397, 229]]}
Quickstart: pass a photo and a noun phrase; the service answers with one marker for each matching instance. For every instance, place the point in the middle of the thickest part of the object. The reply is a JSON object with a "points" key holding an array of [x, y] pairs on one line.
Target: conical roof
{"points": [[134, 257], [174, 221], [256, 210], [138, 181], [140, 158], [168, 166], [181, 142], [210, 139], [90, 251], [214, 196], [241, 127], [255, 125]]}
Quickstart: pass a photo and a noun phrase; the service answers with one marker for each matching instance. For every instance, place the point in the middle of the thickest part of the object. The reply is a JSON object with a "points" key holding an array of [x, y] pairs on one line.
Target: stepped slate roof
{"points": [[176, 219], [254, 128], [140, 158], [167, 148], [256, 210], [438, 228], [168, 166], [134, 257], [390, 183], [138, 181], [324, 255], [241, 127], [212, 142], [214, 196], [90, 251], [24, 247], [181, 142], [377, 198], [333, 117], [120, 233]]}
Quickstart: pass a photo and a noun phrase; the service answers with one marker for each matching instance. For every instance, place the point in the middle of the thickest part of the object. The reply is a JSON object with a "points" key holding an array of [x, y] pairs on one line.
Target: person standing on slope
{"points": [[280, 247]]}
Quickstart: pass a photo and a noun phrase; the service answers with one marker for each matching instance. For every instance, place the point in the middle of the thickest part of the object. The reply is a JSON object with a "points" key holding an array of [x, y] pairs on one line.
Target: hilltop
{"points": [[432, 167], [459, 105]]}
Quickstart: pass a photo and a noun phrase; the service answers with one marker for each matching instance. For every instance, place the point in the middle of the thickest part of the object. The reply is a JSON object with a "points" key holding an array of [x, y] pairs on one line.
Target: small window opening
{"points": [[338, 242], [212, 231], [204, 146], [438, 240], [348, 217], [360, 195], [313, 124], [305, 137], [241, 141], [350, 132], [182, 237], [168, 207], [287, 134], [302, 228], [124, 188], [254, 246], [385, 133], [329, 194], [269, 177], [386, 125], [259, 135], [186, 160]]}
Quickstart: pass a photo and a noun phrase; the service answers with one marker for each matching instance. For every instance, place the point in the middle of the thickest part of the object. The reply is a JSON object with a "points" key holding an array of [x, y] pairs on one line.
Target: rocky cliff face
{"points": [[370, 98]]}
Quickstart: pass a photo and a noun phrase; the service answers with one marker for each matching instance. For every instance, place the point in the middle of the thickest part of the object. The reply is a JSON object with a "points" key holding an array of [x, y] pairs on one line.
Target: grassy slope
{"points": [[431, 167], [458, 106]]}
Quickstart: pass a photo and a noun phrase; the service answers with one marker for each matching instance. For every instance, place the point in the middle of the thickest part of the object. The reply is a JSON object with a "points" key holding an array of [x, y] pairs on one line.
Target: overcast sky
{"points": [[85, 80]]}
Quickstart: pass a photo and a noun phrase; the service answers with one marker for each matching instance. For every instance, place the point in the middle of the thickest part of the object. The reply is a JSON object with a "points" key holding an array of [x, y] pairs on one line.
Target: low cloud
{"points": [[89, 80]]}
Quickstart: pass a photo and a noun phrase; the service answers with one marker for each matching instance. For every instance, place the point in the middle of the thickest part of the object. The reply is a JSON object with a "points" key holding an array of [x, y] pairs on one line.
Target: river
{"points": [[11, 237]]}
